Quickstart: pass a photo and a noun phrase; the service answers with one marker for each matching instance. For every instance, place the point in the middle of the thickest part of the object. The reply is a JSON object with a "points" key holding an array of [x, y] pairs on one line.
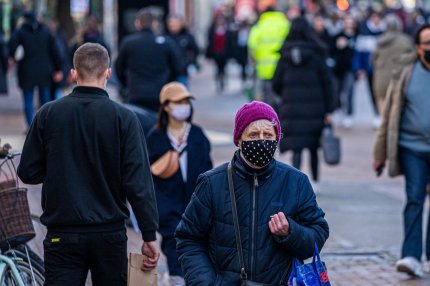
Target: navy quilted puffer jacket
{"points": [[205, 236]]}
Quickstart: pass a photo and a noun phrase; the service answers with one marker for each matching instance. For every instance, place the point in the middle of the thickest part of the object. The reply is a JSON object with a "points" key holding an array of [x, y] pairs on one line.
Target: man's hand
{"points": [[279, 225], [150, 249], [378, 167]]}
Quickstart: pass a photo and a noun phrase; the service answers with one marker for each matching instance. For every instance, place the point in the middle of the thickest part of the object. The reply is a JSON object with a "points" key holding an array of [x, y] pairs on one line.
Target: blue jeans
{"points": [[416, 167], [27, 93]]}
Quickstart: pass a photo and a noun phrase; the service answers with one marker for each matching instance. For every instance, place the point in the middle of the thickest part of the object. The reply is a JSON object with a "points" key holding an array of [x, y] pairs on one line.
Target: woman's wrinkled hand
{"points": [[279, 225]]}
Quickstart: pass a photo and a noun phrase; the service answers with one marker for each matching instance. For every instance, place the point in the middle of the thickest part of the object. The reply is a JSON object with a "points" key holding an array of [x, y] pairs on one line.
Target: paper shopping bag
{"points": [[138, 277]]}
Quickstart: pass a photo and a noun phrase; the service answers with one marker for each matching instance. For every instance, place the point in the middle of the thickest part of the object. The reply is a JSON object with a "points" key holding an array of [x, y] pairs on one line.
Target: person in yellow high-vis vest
{"points": [[265, 40]]}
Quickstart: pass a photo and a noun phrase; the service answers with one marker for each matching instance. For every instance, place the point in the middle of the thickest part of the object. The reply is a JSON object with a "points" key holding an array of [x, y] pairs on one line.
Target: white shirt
{"points": [[183, 158]]}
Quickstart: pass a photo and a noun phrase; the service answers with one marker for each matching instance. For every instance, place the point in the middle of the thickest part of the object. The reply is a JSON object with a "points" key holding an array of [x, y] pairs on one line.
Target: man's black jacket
{"points": [[145, 63], [90, 155]]}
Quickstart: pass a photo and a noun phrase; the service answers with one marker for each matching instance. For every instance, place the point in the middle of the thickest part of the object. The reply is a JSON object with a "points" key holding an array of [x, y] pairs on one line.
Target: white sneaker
{"points": [[177, 281], [426, 266], [410, 265]]}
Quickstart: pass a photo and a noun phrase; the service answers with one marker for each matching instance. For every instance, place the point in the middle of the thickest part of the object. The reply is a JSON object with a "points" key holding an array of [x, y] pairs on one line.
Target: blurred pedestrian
{"points": [[333, 24], [3, 65], [303, 83], [175, 131], [89, 32], [343, 55], [38, 59], [218, 49], [145, 63], [61, 42], [278, 216], [403, 140], [394, 49], [327, 40], [187, 46], [364, 47], [90, 155], [265, 40], [240, 48]]}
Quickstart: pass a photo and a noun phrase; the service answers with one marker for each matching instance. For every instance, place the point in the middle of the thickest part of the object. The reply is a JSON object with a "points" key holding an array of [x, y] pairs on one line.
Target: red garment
{"points": [[219, 41]]}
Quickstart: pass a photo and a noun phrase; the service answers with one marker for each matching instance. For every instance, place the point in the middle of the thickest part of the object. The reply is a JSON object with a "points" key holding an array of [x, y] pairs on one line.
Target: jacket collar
{"points": [[147, 31], [89, 90], [245, 171]]}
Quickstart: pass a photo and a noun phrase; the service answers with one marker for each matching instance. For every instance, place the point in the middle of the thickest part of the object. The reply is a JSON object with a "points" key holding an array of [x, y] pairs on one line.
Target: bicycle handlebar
{"points": [[5, 153]]}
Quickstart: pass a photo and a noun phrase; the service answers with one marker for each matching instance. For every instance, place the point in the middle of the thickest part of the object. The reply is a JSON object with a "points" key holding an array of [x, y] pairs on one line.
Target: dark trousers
{"points": [[346, 92], [372, 96], [297, 161], [69, 257], [168, 246], [28, 94]]}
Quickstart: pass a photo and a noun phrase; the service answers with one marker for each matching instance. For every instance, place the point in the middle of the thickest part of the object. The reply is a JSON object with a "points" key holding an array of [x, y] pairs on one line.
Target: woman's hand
{"points": [[279, 225]]}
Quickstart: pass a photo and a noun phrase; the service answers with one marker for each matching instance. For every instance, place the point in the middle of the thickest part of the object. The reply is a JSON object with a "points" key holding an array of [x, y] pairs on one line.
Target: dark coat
{"points": [[225, 53], [90, 168], [3, 66], [173, 195], [41, 55], [303, 82], [205, 237], [145, 63], [187, 47], [343, 56]]}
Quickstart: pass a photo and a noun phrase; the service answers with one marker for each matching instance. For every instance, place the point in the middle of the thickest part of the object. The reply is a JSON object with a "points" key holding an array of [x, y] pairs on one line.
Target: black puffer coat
{"points": [[205, 236], [302, 80]]}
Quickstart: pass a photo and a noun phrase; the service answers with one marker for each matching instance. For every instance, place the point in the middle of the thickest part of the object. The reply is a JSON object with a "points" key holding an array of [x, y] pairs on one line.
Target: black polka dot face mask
{"points": [[259, 152]]}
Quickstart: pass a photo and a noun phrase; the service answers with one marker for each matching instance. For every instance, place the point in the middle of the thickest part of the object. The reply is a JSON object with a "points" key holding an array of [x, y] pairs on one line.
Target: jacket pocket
{"points": [[61, 239]]}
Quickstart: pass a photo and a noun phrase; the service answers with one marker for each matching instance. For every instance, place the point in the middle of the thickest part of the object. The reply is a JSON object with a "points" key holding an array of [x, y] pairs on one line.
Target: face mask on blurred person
{"points": [[259, 152], [427, 56], [181, 112]]}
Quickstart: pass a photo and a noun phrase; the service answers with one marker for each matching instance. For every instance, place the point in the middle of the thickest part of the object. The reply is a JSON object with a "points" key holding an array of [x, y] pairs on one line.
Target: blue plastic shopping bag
{"points": [[310, 274]]}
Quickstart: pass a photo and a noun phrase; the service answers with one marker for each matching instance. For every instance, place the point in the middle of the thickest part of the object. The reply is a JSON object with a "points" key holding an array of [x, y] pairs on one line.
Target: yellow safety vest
{"points": [[265, 41]]}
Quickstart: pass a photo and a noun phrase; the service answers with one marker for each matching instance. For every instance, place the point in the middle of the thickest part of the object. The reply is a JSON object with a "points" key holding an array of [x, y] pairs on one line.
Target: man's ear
{"points": [[74, 74], [108, 73]]}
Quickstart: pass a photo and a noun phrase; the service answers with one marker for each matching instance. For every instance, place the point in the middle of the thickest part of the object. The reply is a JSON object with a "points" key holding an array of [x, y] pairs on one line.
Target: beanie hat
{"points": [[251, 112]]}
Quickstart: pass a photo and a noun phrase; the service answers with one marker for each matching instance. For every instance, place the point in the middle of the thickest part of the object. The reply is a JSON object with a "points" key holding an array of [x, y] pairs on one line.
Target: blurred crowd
{"points": [[356, 43]]}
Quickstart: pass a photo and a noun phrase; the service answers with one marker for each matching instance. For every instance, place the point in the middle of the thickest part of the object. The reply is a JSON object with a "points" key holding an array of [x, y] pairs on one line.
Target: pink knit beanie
{"points": [[251, 112]]}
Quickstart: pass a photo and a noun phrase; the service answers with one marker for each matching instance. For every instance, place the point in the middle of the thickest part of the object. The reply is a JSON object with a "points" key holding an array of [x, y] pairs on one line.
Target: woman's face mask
{"points": [[258, 143], [259, 152], [181, 112]]}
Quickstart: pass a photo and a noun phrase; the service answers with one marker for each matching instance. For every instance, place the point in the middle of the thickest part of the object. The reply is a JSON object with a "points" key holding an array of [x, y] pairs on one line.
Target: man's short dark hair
{"points": [[145, 18], [418, 32], [90, 61]]}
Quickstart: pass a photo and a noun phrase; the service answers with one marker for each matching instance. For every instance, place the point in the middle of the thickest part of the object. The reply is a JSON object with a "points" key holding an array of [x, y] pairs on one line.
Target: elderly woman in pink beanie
{"points": [[249, 217]]}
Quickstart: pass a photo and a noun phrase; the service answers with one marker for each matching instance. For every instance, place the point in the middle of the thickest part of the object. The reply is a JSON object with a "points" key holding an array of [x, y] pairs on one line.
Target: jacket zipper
{"points": [[254, 190]]}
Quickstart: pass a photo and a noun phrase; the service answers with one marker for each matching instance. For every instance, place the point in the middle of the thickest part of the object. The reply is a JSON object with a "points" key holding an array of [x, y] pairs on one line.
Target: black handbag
{"points": [[243, 275], [331, 146]]}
